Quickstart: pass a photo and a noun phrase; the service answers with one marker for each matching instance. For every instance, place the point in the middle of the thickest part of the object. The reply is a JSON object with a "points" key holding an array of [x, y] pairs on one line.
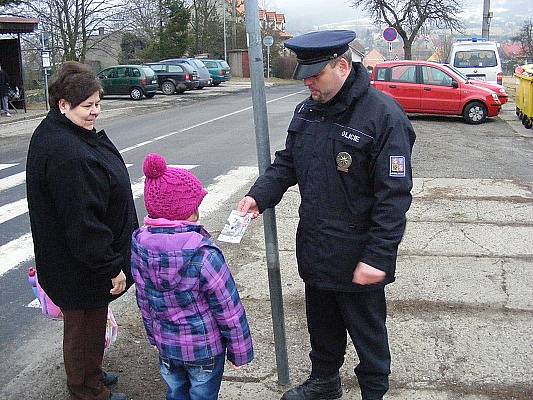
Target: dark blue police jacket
{"points": [[351, 158]]}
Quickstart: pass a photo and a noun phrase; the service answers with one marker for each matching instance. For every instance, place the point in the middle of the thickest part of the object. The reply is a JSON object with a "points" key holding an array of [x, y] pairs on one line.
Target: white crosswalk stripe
{"points": [[12, 181], [4, 166]]}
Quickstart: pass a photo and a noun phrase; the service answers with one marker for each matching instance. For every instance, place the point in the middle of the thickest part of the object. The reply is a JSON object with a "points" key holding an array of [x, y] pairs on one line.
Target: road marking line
{"points": [[4, 166], [13, 210], [201, 123], [12, 181], [16, 252]]}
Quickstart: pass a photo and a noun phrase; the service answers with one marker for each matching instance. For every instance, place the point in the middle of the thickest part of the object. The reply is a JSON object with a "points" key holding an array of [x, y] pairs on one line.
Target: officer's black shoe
{"points": [[316, 389]]}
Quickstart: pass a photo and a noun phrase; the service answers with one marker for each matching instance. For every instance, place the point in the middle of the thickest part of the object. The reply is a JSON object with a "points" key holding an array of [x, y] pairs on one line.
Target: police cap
{"points": [[315, 50]]}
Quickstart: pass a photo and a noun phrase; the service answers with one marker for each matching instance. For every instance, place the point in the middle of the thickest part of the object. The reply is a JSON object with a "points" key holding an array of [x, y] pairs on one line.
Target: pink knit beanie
{"points": [[171, 193]]}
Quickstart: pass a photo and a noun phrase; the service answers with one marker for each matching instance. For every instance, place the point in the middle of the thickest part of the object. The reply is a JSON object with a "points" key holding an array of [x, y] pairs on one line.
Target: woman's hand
{"points": [[119, 284]]}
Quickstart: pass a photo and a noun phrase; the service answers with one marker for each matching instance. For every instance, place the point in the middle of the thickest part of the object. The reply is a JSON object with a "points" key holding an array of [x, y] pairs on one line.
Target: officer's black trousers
{"points": [[329, 315]]}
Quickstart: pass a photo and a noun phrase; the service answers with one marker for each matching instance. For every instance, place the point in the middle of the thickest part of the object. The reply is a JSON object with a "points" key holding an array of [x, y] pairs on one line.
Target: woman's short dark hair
{"points": [[74, 82]]}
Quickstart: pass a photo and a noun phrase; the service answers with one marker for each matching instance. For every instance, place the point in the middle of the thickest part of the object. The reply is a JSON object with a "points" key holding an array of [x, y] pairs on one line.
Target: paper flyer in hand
{"points": [[234, 230]]}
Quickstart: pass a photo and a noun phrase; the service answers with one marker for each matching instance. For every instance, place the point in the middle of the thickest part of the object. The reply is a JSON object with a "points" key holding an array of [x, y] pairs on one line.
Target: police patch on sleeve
{"points": [[397, 166]]}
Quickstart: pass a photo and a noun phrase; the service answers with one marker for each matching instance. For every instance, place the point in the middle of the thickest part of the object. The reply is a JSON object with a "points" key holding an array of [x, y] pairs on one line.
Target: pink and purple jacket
{"points": [[187, 296]]}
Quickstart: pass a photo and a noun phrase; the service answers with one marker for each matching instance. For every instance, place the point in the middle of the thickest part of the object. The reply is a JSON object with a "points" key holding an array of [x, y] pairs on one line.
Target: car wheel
{"points": [[200, 87], [475, 113], [168, 87], [528, 123], [136, 93], [216, 83], [150, 95]]}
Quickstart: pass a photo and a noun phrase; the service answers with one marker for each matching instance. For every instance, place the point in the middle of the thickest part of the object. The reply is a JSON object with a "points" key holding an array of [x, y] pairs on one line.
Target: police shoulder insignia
{"points": [[397, 166]]}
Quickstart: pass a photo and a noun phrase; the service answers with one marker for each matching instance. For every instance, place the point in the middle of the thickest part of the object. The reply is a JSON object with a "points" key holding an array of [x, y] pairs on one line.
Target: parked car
{"points": [[424, 87], [499, 89], [219, 70], [478, 59], [204, 78], [135, 80], [174, 78]]}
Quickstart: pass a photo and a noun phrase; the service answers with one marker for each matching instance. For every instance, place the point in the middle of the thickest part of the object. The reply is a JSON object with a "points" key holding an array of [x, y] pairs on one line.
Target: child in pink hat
{"points": [[187, 296]]}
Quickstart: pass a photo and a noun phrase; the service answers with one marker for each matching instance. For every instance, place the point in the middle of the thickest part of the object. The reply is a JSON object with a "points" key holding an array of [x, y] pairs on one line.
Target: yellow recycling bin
{"points": [[524, 94]]}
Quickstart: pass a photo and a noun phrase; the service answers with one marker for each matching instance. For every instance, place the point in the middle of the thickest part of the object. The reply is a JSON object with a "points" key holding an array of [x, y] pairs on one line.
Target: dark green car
{"points": [[219, 69], [135, 80]]}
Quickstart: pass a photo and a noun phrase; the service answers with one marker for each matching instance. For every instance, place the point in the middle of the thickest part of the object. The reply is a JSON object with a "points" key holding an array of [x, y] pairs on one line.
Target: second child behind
{"points": [[187, 296]]}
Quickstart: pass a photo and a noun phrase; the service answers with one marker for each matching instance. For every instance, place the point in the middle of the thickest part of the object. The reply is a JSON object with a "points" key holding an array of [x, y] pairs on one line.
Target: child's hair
{"points": [[170, 193]]}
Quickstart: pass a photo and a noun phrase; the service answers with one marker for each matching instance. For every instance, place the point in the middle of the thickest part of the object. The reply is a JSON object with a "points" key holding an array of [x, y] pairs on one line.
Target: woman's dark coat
{"points": [[81, 211]]}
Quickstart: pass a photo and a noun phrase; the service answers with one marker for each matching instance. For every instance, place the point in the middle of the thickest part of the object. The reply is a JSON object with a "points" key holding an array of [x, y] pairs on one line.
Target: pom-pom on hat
{"points": [[170, 193]]}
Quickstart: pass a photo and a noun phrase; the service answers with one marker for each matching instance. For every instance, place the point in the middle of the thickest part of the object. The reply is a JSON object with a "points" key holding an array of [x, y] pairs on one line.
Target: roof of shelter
{"points": [[17, 24]]}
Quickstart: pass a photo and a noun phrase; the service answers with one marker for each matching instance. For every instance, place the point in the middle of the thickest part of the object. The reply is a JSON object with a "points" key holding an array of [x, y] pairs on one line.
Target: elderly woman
{"points": [[82, 216]]}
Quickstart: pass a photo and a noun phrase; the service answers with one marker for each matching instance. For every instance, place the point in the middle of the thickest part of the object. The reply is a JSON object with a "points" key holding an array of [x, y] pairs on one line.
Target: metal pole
{"points": [[268, 62], [224, 25], [269, 217], [46, 87], [45, 73], [486, 19]]}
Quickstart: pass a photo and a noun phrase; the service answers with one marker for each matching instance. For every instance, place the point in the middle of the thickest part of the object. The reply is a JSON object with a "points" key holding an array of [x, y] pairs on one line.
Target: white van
{"points": [[477, 59]]}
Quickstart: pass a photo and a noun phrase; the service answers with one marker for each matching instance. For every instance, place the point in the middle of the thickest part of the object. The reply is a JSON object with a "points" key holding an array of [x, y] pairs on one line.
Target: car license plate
{"points": [[477, 77]]}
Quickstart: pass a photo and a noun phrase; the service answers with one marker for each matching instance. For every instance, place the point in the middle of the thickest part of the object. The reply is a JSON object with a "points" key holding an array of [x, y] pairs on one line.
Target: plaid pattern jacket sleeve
{"points": [[225, 304]]}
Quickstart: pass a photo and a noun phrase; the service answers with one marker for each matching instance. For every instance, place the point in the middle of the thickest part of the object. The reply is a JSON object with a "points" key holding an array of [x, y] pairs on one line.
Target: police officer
{"points": [[349, 150]]}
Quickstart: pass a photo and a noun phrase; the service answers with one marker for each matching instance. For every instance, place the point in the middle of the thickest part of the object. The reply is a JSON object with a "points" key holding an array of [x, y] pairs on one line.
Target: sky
{"points": [[306, 15]]}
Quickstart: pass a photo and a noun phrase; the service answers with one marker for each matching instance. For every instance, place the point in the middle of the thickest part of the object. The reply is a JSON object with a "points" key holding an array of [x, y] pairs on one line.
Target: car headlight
{"points": [[494, 96]]}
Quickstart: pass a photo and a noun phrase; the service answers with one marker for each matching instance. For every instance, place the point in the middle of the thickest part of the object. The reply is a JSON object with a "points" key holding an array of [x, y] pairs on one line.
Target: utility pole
{"points": [[255, 55], [234, 33], [224, 27], [487, 15]]}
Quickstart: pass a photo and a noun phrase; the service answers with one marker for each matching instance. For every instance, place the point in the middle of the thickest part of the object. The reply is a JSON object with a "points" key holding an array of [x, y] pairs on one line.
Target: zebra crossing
{"points": [[17, 251]]}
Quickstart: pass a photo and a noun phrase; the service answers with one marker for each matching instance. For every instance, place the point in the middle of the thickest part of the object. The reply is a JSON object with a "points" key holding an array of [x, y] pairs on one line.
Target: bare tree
{"points": [[143, 18], [409, 16], [525, 38], [71, 23], [206, 25]]}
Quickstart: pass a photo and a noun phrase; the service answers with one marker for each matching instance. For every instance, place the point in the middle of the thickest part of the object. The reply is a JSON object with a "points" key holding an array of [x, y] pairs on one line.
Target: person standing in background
{"points": [[4, 92]]}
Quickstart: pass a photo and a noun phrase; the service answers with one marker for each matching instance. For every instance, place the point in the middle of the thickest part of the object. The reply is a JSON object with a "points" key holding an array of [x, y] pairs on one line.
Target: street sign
{"points": [[390, 34], [46, 59], [268, 41]]}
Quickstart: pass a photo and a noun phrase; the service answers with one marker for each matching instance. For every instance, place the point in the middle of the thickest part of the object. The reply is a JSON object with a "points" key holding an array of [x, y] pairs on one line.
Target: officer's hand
{"points": [[119, 284], [248, 205], [365, 274]]}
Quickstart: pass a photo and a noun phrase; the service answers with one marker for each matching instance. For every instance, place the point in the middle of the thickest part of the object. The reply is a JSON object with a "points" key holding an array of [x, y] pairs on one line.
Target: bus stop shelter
{"points": [[11, 55]]}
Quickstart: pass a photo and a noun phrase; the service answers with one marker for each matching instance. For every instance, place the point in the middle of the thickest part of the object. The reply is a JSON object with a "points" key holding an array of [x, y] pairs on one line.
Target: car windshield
{"points": [[224, 64], [457, 72], [475, 59], [210, 64]]}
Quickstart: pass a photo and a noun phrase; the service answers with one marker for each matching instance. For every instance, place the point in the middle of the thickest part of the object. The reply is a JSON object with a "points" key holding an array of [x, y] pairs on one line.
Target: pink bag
{"points": [[50, 310], [111, 329], [48, 307]]}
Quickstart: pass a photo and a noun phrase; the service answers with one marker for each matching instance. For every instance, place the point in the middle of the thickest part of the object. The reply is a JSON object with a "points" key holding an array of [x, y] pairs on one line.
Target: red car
{"points": [[424, 87], [498, 89]]}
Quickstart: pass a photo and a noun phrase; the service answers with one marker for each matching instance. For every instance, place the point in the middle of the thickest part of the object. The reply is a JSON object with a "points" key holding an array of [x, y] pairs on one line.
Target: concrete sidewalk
{"points": [[460, 313]]}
